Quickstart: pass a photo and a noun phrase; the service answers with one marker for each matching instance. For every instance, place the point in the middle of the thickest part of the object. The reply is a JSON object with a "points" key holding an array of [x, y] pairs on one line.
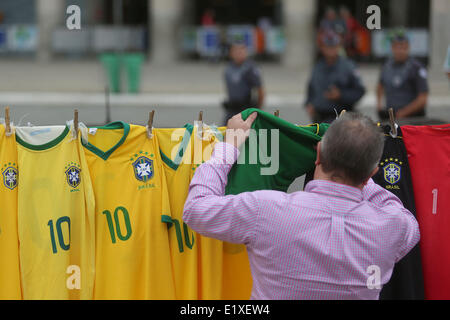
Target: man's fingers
{"points": [[233, 119], [251, 118]]}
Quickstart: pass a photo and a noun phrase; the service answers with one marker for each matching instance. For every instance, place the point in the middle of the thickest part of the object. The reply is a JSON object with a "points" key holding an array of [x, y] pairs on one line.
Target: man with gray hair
{"points": [[350, 151], [338, 239]]}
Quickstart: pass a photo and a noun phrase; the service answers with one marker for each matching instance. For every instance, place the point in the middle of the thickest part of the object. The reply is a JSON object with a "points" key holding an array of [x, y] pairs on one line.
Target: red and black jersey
{"points": [[428, 149], [394, 175]]}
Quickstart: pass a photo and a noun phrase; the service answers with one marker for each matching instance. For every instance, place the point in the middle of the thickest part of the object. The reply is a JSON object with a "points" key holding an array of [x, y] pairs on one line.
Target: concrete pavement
{"points": [[88, 77], [43, 93]]}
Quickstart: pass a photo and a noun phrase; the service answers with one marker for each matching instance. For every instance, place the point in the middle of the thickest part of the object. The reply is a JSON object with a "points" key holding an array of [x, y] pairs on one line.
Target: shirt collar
{"points": [[238, 66], [338, 60], [400, 64], [334, 189]]}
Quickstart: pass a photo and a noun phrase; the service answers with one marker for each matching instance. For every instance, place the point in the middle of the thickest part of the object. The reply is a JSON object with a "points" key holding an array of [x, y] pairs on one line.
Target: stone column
{"points": [[398, 12], [299, 17], [439, 34], [164, 24], [50, 15]]}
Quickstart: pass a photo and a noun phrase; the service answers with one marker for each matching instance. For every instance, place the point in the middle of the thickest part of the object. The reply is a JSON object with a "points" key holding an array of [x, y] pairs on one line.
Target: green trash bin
{"points": [[112, 64], [133, 64]]}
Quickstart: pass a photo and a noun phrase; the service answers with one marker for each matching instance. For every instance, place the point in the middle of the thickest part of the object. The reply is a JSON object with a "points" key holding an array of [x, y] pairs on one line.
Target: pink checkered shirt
{"points": [[330, 241]]}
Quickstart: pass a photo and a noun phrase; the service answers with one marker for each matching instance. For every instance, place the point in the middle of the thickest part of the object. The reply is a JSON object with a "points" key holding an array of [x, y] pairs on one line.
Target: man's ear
{"points": [[374, 172], [318, 154]]}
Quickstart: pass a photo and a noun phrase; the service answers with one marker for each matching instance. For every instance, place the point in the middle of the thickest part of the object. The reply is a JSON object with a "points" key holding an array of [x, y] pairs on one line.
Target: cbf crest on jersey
{"points": [[392, 172], [10, 175], [73, 176], [143, 166]]}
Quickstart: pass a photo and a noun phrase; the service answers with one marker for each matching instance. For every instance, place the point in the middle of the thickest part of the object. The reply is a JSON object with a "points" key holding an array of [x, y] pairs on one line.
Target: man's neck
{"points": [[239, 64], [320, 175], [401, 61], [331, 61]]}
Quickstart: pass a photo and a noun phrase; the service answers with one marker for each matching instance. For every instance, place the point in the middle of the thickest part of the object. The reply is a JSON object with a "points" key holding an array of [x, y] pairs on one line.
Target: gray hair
{"points": [[352, 147]]}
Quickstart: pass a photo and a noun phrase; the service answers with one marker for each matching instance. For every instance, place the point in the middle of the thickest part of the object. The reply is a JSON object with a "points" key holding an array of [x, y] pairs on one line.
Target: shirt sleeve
{"points": [[390, 202], [254, 76], [421, 79], [381, 77], [208, 211], [309, 93], [355, 89]]}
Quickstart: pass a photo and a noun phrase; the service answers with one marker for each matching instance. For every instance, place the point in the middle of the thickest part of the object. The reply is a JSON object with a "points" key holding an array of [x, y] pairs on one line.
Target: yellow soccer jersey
{"points": [[55, 215], [210, 258], [175, 148], [132, 245], [225, 268], [237, 276], [195, 277], [9, 241]]}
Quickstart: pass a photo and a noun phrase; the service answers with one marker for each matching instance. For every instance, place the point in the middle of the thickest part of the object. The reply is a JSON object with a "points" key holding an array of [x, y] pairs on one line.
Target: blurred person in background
{"points": [[208, 18], [243, 82], [352, 29], [332, 22], [403, 82], [447, 63], [263, 26], [334, 84]]}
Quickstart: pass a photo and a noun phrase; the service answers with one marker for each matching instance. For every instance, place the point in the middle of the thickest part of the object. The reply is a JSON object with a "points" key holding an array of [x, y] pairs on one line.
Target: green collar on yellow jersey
{"points": [[44, 146], [111, 126], [179, 157]]}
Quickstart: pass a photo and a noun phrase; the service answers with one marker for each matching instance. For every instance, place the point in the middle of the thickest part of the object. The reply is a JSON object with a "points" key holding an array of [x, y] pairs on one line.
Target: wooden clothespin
{"points": [[200, 124], [7, 121], [75, 124], [150, 124], [392, 122], [277, 113]]}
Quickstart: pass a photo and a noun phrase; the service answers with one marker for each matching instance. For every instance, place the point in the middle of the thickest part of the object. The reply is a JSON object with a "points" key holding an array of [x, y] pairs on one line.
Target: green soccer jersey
{"points": [[273, 159]]}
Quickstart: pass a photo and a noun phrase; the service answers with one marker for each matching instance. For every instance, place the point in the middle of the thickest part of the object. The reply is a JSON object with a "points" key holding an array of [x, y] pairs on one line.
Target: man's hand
{"points": [[400, 114], [333, 93], [415, 106], [238, 129]]}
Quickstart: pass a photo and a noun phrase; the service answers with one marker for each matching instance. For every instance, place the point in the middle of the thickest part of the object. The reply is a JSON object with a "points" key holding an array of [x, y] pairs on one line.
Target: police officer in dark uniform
{"points": [[334, 84], [403, 81], [243, 82]]}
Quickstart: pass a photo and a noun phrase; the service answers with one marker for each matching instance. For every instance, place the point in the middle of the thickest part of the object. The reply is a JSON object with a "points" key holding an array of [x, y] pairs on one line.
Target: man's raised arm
{"points": [[207, 210]]}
